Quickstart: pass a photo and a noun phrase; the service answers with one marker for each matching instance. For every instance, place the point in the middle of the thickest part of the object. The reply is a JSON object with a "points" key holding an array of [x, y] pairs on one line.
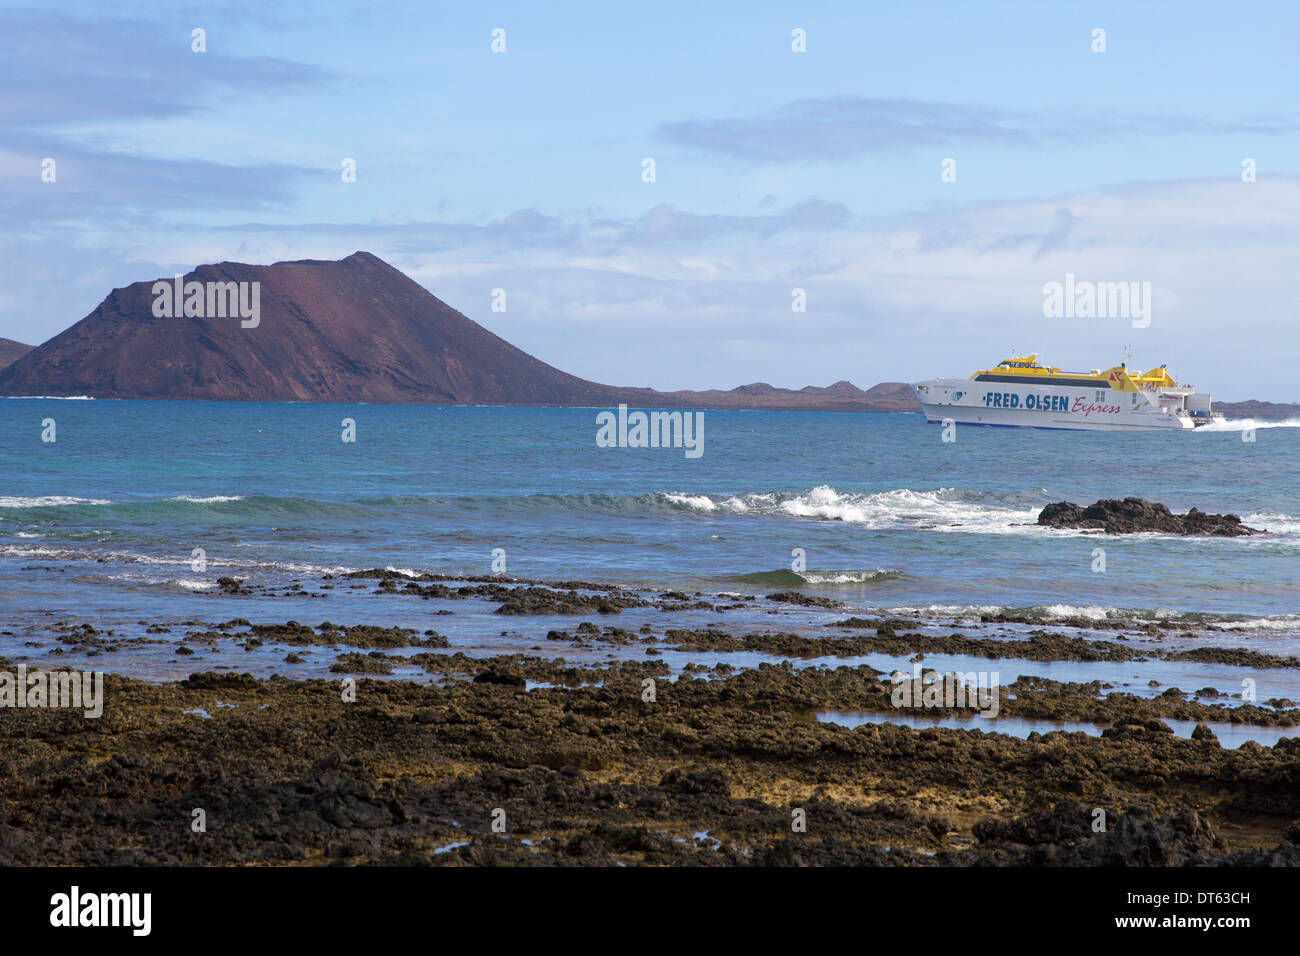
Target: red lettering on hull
{"points": [[1080, 405]]}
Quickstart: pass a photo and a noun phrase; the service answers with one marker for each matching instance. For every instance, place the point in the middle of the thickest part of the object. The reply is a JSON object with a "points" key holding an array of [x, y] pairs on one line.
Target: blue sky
{"points": [[775, 170]]}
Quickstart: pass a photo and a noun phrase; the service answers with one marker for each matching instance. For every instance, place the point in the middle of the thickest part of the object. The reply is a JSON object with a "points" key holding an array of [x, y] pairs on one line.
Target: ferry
{"points": [[1020, 393]]}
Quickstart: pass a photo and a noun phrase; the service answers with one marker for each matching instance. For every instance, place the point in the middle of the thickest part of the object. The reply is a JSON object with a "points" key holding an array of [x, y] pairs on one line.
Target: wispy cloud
{"points": [[102, 182], [69, 84], [668, 223], [962, 280], [665, 228], [119, 69], [846, 127]]}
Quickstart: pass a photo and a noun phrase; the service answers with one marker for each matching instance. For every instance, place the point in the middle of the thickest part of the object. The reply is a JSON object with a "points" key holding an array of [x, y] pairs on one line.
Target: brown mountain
{"points": [[355, 330], [11, 351]]}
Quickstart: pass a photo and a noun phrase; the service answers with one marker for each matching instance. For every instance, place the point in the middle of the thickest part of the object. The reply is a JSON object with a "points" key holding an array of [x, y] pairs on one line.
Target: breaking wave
{"points": [[1245, 424], [49, 501], [939, 509], [1109, 617], [787, 578], [942, 509]]}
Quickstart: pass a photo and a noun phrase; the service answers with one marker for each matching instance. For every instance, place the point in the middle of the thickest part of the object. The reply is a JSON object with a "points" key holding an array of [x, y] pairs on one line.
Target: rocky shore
{"points": [[534, 759]]}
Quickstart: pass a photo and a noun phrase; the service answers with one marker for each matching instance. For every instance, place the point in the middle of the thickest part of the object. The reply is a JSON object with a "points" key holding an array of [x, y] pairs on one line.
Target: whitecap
{"points": [[49, 501], [208, 501]]}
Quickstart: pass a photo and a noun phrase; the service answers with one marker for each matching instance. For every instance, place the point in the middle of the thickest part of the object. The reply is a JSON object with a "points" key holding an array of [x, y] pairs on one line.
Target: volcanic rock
{"points": [[11, 351], [1137, 515], [354, 330]]}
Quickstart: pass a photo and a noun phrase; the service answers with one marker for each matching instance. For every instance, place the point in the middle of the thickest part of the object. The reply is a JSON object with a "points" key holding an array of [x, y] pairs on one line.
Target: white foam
{"points": [[1128, 617], [207, 501], [945, 610], [943, 509], [14, 551], [847, 577], [129, 557], [1276, 622], [940, 509], [194, 585], [1090, 612], [694, 502], [151, 559], [1245, 424], [49, 501], [1273, 523]]}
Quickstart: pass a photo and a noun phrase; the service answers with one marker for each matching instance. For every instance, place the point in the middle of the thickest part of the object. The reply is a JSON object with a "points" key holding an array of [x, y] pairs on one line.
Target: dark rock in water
{"points": [[1136, 515], [1139, 728], [1203, 732], [505, 676], [803, 600]]}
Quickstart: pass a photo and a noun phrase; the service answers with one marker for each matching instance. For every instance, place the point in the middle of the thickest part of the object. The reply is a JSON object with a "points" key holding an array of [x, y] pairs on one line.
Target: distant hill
{"points": [[1254, 409], [840, 397], [355, 330], [11, 351]]}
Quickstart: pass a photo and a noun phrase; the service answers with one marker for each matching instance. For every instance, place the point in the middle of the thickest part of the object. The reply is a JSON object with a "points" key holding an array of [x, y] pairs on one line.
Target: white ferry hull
{"points": [[1029, 405]]}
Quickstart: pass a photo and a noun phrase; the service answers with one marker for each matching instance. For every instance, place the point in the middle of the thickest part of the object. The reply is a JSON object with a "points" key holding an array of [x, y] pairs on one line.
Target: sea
{"points": [[128, 517]]}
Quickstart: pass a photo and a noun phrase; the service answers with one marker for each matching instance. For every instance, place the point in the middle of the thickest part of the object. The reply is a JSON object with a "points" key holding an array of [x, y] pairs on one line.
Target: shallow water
{"points": [[105, 524], [1230, 735]]}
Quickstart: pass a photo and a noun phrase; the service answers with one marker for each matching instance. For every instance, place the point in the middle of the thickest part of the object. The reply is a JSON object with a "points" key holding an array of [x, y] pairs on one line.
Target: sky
{"points": [[775, 170]]}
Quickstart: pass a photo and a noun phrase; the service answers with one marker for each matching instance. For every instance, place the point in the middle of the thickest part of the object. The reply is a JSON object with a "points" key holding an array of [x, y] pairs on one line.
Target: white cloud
{"points": [[941, 291]]}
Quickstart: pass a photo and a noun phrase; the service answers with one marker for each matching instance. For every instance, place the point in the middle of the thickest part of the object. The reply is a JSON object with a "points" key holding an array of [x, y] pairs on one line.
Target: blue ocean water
{"points": [[105, 520]]}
